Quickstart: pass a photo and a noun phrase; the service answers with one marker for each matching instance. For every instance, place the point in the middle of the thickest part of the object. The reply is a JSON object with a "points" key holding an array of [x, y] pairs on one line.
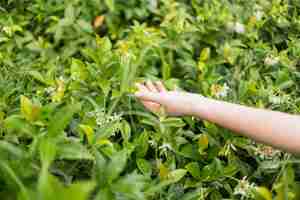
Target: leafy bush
{"points": [[70, 128]]}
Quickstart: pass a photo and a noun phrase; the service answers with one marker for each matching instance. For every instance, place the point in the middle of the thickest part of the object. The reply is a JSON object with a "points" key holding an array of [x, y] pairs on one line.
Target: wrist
{"points": [[196, 105]]}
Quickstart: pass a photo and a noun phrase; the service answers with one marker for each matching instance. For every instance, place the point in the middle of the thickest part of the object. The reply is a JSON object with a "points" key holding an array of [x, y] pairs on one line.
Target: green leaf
{"points": [[88, 131], [29, 110], [78, 70], [48, 150], [176, 175], [104, 194], [264, 193], [125, 131], [6, 169], [78, 191], [51, 188], [16, 124], [194, 169], [70, 13], [12, 149], [26, 107], [130, 186], [203, 143], [144, 166], [110, 4], [61, 119], [173, 122], [101, 168], [205, 54], [116, 165], [166, 71], [73, 150], [142, 144], [38, 76]]}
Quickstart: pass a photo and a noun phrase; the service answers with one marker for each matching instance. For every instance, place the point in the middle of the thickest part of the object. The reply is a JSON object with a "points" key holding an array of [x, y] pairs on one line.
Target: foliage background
{"points": [[70, 128]]}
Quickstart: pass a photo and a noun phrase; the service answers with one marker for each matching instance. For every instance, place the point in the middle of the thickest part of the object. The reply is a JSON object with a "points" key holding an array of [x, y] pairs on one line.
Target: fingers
{"points": [[160, 86], [142, 87], [150, 92], [149, 96], [151, 86]]}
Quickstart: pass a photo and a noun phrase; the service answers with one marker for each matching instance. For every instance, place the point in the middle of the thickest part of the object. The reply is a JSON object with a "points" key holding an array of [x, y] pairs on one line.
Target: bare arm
{"points": [[273, 128]]}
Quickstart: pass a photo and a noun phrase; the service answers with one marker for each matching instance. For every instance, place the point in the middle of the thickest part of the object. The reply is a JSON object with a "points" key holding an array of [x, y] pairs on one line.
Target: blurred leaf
{"points": [[194, 169], [58, 95], [142, 144], [144, 166], [110, 4], [130, 186], [16, 124], [126, 131], [173, 122], [47, 151], [163, 171], [6, 169], [29, 110], [88, 131], [116, 165], [78, 70], [205, 54], [203, 143], [264, 193], [73, 150], [176, 175], [61, 119]]}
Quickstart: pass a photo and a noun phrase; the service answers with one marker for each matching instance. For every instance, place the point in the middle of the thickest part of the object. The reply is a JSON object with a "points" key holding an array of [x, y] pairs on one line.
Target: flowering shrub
{"points": [[71, 129]]}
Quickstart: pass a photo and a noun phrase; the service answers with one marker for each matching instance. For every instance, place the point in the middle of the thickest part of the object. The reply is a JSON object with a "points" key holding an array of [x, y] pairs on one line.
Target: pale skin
{"points": [[277, 129]]}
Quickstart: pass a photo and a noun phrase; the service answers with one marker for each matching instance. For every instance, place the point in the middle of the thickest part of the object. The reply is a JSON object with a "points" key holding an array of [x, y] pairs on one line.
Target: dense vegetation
{"points": [[70, 127]]}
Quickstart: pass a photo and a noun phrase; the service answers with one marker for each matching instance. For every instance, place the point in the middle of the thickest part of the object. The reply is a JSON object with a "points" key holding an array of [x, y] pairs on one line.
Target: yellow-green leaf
{"points": [[264, 192], [60, 91], [163, 171], [2, 115], [26, 107], [78, 70], [201, 66], [203, 142], [102, 142], [176, 175], [29, 110], [88, 131], [205, 54]]}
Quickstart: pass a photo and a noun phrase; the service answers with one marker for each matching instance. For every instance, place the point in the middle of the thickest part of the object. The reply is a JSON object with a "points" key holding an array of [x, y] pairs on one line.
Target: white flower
{"points": [[239, 28], [8, 30], [271, 61], [275, 100], [279, 99], [236, 27], [61, 78], [102, 118], [49, 90], [153, 4], [94, 94], [244, 188], [259, 15], [223, 92], [165, 147], [152, 143]]}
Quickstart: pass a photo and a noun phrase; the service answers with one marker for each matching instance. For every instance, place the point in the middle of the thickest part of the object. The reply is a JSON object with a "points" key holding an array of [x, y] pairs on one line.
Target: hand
{"points": [[175, 103]]}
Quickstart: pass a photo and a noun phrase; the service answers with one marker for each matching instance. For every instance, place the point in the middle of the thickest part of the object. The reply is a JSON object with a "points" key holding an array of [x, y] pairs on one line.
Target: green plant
{"points": [[70, 128]]}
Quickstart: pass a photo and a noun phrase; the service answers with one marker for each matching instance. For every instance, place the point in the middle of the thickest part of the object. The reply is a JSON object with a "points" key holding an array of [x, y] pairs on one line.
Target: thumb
{"points": [[150, 96]]}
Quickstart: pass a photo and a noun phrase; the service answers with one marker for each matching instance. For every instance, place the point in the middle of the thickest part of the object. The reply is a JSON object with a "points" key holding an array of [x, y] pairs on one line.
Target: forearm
{"points": [[269, 127]]}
